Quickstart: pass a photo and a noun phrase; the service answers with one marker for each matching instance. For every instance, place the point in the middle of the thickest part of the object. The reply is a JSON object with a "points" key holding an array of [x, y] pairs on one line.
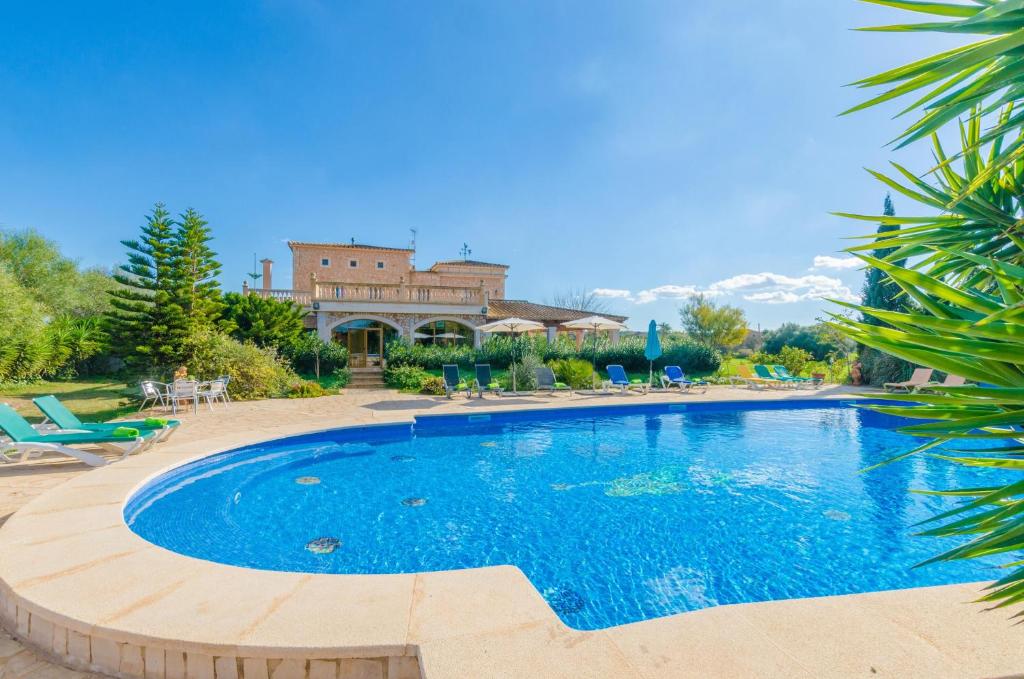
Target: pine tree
{"points": [[146, 323], [879, 291], [195, 270]]}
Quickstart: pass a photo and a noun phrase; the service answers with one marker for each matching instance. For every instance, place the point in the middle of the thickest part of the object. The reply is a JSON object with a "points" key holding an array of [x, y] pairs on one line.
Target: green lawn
{"points": [[92, 399]]}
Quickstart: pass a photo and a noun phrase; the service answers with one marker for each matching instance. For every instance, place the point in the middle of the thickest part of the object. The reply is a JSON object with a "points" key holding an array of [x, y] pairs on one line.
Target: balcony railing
{"points": [[385, 294]]}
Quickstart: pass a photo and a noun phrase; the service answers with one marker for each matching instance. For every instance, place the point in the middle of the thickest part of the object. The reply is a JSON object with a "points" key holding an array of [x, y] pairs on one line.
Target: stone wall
{"points": [[92, 652]]}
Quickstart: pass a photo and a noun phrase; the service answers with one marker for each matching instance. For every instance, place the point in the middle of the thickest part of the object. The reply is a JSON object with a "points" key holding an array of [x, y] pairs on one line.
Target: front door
{"points": [[374, 347], [357, 348]]}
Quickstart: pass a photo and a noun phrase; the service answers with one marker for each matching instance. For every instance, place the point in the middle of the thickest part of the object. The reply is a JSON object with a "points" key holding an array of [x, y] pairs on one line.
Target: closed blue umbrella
{"points": [[652, 351]]}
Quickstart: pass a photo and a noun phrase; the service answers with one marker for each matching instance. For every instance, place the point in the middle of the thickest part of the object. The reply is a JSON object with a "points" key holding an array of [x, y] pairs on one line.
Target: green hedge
{"points": [[498, 352]]}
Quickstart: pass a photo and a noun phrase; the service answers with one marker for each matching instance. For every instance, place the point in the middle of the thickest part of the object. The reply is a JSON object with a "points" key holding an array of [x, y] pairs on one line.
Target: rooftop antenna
{"points": [[254, 275], [465, 252], [413, 245]]}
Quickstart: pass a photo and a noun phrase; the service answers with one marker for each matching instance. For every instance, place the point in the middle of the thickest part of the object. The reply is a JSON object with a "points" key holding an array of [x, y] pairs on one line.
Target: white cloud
{"points": [[612, 293], [666, 292], [835, 263], [765, 288], [773, 288]]}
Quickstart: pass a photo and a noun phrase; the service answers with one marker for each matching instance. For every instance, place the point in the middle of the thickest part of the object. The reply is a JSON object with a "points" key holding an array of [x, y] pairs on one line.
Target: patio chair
{"points": [[453, 381], [227, 380], [782, 372], [546, 381], [950, 381], [769, 378], [617, 378], [155, 392], [484, 381], [920, 378], [212, 391], [745, 376], [674, 375], [183, 391], [57, 413], [27, 443]]}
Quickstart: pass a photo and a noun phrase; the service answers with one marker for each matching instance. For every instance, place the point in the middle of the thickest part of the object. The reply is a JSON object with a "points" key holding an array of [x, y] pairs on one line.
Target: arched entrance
{"points": [[365, 340], [444, 332]]}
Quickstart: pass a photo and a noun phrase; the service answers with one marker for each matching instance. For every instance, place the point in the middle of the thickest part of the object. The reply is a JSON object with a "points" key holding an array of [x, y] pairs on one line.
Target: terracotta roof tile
{"points": [[349, 246], [520, 308]]}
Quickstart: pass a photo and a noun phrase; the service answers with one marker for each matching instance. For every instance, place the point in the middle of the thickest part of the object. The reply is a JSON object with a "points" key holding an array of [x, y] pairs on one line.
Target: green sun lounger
{"points": [[546, 381], [783, 373], [57, 413], [453, 381], [765, 374], [26, 442], [484, 381]]}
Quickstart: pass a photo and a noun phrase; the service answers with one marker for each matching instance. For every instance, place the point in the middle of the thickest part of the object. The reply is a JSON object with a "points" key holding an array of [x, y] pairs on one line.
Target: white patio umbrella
{"points": [[594, 323], [513, 326]]}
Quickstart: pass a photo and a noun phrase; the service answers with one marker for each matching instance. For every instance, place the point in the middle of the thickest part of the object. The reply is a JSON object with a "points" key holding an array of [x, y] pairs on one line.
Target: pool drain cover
{"points": [[564, 600], [324, 545], [414, 501], [307, 480]]}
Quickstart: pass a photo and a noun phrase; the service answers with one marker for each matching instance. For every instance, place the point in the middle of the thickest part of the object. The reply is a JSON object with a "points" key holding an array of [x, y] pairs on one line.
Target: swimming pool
{"points": [[614, 514]]}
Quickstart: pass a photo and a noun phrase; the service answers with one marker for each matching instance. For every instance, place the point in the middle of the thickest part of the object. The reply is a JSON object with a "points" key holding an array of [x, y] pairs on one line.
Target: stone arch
{"points": [[465, 322], [335, 322]]}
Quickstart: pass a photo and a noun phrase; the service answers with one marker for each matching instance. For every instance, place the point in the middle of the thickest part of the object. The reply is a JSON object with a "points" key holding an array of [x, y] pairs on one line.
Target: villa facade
{"points": [[364, 295]]}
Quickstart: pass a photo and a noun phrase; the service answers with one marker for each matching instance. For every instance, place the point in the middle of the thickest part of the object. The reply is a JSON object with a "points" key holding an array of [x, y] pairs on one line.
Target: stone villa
{"points": [[364, 295]]}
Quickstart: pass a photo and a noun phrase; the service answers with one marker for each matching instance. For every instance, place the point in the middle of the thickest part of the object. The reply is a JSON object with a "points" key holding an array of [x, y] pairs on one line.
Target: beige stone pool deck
{"points": [[78, 588]]}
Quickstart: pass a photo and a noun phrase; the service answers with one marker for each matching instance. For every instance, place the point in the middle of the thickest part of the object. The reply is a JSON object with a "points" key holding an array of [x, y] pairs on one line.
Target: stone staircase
{"points": [[367, 378]]}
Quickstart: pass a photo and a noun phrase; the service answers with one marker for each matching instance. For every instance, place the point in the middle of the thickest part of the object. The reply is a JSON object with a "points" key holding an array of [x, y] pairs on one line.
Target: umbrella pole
{"points": [[515, 392]]}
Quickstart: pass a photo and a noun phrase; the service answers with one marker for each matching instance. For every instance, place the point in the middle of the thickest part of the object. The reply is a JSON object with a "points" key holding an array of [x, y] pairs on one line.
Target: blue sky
{"points": [[645, 149]]}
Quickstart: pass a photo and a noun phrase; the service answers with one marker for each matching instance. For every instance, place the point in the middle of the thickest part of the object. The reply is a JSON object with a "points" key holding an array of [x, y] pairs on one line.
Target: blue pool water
{"points": [[615, 516]]}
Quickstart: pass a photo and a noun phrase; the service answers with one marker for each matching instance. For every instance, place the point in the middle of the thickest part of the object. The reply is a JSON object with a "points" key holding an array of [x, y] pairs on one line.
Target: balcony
{"points": [[381, 294]]}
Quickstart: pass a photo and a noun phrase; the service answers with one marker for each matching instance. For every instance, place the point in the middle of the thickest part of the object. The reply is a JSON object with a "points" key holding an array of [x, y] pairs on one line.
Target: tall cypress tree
{"points": [[146, 323], [195, 272], [880, 292]]}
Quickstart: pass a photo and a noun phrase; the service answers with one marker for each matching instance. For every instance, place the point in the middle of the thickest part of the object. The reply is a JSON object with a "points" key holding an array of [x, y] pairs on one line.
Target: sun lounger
{"points": [[484, 381], [920, 378], [617, 378], [745, 376], [26, 442], [453, 382], [62, 418], [782, 372], [546, 381], [674, 375], [950, 381], [771, 379]]}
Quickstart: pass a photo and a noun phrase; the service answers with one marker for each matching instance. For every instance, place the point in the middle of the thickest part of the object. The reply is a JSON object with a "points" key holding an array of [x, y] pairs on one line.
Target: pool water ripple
{"points": [[615, 518]]}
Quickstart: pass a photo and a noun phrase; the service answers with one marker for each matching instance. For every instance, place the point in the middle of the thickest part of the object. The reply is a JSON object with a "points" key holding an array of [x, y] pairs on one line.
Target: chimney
{"points": [[267, 265]]}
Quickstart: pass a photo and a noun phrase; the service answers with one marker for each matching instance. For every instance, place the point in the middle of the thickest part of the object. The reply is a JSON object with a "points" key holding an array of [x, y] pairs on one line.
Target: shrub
{"points": [[408, 378], [255, 372], [878, 367], [342, 376], [795, 359], [577, 373], [690, 356], [433, 385], [306, 389], [401, 353], [526, 378], [308, 349], [816, 339]]}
